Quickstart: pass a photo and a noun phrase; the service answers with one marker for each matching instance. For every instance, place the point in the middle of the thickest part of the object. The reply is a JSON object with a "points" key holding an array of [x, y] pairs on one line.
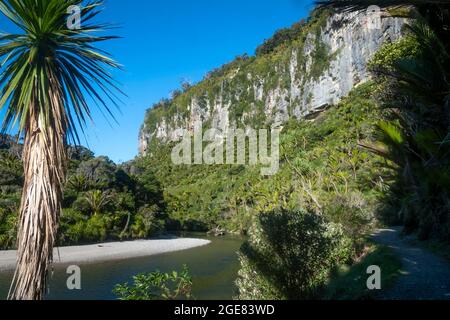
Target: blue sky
{"points": [[167, 41]]}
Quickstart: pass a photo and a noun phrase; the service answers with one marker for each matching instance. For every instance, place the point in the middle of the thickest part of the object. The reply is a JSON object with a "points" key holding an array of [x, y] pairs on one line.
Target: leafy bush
{"points": [[146, 223], [289, 255], [71, 226], [96, 228], [81, 204], [390, 53], [8, 228], [281, 37], [73, 234], [79, 229], [157, 286]]}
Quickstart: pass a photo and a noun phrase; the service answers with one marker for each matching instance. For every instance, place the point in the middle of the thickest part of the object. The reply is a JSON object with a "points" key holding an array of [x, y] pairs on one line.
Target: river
{"points": [[213, 269]]}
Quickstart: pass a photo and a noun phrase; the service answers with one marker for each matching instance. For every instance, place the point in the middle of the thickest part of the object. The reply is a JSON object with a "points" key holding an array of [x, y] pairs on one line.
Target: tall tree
{"points": [[48, 70]]}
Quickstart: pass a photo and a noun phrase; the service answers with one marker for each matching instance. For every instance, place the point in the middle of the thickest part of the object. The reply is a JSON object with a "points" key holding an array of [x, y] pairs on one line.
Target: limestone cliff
{"points": [[299, 77]]}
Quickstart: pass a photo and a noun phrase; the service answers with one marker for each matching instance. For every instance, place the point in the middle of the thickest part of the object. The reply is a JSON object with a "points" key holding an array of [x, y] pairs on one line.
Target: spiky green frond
{"points": [[391, 133], [46, 57]]}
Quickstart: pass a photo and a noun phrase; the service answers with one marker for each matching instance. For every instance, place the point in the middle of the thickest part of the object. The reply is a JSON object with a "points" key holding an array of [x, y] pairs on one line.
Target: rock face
{"points": [[295, 81]]}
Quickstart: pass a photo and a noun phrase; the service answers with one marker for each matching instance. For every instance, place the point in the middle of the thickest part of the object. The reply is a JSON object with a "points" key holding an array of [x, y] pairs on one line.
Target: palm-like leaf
{"points": [[392, 134], [47, 74], [49, 55], [97, 201]]}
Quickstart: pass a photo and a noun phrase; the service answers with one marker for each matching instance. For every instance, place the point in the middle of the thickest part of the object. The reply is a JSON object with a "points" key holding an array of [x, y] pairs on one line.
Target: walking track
{"points": [[424, 276]]}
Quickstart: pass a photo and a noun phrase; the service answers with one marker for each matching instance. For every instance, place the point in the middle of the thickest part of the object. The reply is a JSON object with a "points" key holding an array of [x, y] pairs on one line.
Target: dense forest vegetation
{"points": [[102, 201]]}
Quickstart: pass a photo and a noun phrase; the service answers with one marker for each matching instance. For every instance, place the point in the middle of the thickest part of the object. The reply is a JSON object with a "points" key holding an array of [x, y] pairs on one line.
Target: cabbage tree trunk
{"points": [[44, 159]]}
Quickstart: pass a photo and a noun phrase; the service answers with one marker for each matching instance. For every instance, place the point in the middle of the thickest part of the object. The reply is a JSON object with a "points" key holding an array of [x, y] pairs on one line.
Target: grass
{"points": [[350, 282]]}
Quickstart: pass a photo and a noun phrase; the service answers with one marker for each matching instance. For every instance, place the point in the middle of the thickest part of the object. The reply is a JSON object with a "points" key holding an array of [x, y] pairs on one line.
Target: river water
{"points": [[213, 269]]}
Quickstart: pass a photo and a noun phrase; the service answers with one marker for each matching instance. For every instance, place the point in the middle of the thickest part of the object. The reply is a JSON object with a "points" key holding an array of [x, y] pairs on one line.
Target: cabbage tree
{"points": [[49, 71]]}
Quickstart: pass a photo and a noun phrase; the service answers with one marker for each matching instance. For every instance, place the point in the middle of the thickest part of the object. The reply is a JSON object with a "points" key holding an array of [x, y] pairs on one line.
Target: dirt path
{"points": [[425, 276]]}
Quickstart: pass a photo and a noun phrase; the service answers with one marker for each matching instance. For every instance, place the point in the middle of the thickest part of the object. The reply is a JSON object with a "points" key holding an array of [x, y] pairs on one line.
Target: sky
{"points": [[165, 42]]}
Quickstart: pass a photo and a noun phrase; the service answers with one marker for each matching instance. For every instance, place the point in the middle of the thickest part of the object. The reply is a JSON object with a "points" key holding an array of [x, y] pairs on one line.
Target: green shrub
{"points": [[157, 286], [96, 228], [289, 255], [71, 226], [81, 204], [391, 53], [73, 233], [281, 37], [86, 230], [8, 228], [146, 223]]}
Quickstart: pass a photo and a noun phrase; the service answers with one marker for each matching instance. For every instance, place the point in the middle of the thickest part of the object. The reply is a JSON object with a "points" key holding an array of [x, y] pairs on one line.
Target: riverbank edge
{"points": [[110, 251]]}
